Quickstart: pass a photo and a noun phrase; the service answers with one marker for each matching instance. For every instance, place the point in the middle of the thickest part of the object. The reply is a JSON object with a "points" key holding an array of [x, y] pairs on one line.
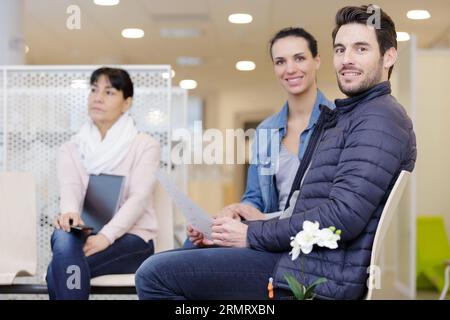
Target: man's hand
{"points": [[95, 244], [228, 232], [197, 238], [64, 221]]}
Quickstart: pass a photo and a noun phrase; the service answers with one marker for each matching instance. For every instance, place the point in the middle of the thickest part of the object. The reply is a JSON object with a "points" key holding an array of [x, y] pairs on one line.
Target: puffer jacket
{"points": [[358, 153]]}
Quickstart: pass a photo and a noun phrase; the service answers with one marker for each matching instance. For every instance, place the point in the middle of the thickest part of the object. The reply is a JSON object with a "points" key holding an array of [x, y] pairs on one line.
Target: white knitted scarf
{"points": [[103, 156]]}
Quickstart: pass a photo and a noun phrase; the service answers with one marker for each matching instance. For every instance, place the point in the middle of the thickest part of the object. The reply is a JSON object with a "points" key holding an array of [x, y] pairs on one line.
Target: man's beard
{"points": [[372, 80]]}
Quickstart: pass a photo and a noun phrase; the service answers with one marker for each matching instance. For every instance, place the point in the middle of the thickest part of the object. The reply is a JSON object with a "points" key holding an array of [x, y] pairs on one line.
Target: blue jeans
{"points": [[208, 273], [70, 271]]}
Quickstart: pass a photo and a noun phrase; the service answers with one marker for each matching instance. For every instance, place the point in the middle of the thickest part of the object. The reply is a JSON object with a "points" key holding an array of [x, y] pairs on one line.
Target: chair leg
{"points": [[447, 280]]}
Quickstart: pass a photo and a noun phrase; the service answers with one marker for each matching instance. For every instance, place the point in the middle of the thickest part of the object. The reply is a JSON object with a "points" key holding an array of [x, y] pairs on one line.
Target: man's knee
{"points": [[145, 276], [189, 245], [156, 275], [147, 270]]}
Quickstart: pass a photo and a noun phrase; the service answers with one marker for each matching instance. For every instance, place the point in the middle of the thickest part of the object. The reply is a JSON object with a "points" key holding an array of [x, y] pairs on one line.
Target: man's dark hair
{"points": [[295, 32], [119, 79], [386, 35]]}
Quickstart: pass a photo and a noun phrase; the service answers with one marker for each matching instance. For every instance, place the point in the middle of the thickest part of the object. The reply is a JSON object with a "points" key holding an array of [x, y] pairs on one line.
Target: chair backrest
{"points": [[383, 225], [18, 239], [164, 215]]}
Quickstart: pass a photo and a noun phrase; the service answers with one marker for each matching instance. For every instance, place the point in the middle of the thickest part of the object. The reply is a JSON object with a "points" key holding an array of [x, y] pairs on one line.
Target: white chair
{"points": [[383, 225], [163, 242], [18, 240], [446, 280]]}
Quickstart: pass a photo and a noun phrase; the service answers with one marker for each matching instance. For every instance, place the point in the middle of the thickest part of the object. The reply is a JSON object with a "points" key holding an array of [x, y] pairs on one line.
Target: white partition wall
{"points": [[400, 243], [179, 172], [405, 271], [42, 107], [433, 138]]}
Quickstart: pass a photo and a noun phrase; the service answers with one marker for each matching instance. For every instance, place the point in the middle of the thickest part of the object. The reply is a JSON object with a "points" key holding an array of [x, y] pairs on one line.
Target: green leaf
{"points": [[309, 293], [297, 289]]}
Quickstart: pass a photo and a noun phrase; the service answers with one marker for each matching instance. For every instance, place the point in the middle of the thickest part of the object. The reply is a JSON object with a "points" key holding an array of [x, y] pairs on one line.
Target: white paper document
{"points": [[195, 216]]}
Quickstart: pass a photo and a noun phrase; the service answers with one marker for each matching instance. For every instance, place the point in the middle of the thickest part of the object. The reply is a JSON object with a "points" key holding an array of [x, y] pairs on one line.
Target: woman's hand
{"points": [[197, 238], [228, 232], [95, 244], [66, 220], [248, 212], [230, 211], [239, 211]]}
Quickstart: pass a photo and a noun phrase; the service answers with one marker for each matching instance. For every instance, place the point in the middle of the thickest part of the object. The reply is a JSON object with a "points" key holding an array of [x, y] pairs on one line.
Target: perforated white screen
{"points": [[42, 107]]}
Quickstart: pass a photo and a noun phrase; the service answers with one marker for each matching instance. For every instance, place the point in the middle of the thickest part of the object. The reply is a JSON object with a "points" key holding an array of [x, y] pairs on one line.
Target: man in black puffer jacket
{"points": [[349, 168], [358, 156]]}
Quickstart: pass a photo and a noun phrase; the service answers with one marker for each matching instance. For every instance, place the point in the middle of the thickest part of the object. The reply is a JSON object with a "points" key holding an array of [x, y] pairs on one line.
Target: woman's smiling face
{"points": [[294, 65]]}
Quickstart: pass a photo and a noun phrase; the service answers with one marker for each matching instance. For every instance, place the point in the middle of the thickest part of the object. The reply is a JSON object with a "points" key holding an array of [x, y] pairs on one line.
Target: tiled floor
{"points": [[388, 292], [420, 295]]}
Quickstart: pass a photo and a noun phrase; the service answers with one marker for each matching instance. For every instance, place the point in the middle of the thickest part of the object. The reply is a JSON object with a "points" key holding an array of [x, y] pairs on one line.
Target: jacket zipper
{"points": [[306, 162], [317, 136]]}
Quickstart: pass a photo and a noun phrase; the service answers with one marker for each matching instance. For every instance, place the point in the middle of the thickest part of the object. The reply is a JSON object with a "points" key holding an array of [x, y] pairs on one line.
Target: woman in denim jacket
{"points": [[280, 140]]}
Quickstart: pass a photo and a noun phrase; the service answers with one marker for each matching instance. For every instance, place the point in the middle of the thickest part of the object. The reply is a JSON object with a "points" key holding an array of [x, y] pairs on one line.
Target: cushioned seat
{"points": [[163, 242], [18, 239], [113, 280]]}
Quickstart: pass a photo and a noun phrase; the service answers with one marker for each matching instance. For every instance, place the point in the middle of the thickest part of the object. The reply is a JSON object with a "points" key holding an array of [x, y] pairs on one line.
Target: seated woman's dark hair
{"points": [[119, 79]]}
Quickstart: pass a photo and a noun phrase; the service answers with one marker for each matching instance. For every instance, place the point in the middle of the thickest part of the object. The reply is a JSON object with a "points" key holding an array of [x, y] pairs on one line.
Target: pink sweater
{"points": [[136, 214]]}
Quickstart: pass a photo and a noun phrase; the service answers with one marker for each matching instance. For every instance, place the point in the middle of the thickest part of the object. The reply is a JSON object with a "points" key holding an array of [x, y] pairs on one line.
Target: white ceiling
{"points": [[221, 44]]}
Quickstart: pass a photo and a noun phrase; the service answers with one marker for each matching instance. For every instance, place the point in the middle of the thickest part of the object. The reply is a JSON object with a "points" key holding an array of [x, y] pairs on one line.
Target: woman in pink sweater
{"points": [[108, 144]]}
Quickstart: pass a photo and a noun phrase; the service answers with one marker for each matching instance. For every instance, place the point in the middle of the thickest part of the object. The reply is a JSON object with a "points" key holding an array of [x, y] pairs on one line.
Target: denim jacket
{"points": [[261, 191]]}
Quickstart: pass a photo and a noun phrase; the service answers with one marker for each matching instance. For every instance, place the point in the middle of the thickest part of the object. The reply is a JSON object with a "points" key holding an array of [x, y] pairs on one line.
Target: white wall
{"points": [[433, 133]]}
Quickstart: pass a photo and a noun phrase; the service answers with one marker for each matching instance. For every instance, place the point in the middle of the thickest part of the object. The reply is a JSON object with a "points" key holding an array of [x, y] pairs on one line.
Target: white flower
{"points": [[305, 240], [310, 227], [327, 238], [295, 249]]}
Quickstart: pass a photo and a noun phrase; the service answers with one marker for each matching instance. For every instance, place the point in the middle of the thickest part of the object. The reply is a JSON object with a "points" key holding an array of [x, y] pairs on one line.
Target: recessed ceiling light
{"points": [[165, 75], [106, 2], [245, 65], [403, 36], [240, 18], [189, 61], [188, 84], [133, 33], [418, 14]]}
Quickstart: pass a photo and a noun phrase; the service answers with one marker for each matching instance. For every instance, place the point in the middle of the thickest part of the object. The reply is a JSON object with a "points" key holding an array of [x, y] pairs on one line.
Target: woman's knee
{"points": [[62, 241]]}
